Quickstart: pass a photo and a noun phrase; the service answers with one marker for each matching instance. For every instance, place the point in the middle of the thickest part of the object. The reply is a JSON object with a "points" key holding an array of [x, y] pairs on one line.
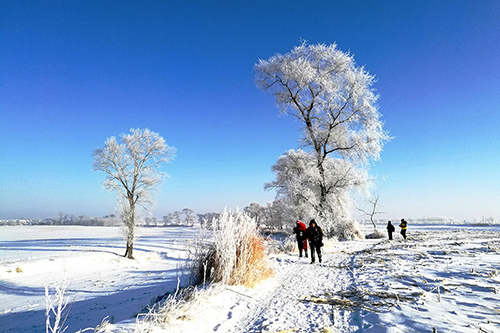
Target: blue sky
{"points": [[74, 73]]}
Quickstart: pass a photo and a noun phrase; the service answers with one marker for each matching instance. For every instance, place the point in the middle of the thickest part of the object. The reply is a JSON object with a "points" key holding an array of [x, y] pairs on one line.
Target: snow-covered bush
{"points": [[376, 235], [237, 254], [290, 244], [280, 242], [349, 229]]}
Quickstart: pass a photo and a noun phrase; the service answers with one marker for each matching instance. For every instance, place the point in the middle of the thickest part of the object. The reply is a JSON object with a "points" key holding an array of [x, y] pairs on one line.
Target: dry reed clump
{"points": [[230, 252], [237, 255]]}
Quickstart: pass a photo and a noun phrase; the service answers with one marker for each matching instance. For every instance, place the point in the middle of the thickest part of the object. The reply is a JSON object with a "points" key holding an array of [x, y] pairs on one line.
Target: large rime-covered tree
{"points": [[132, 166], [333, 99]]}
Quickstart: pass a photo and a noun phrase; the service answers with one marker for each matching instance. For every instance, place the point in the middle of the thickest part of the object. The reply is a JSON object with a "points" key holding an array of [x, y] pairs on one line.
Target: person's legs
{"points": [[300, 247], [390, 235], [304, 244], [311, 245], [318, 250]]}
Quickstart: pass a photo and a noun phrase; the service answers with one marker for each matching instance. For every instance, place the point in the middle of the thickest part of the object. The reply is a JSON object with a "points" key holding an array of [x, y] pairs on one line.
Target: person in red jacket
{"points": [[300, 231]]}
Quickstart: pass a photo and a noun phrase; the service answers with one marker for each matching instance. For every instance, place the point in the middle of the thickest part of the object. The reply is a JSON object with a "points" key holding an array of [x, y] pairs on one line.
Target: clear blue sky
{"points": [[73, 73]]}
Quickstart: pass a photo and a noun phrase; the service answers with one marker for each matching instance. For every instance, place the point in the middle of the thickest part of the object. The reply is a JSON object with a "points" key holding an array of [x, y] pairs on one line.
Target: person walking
{"points": [[390, 229], [315, 236], [300, 232], [404, 226]]}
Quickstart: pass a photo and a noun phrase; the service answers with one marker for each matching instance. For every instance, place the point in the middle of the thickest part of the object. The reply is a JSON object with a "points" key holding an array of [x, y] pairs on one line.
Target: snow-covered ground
{"points": [[101, 281], [442, 278], [439, 278]]}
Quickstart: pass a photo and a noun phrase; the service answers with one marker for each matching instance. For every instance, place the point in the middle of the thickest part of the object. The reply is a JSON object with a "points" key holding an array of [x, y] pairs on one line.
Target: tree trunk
{"points": [[128, 252], [130, 230], [374, 225], [323, 190]]}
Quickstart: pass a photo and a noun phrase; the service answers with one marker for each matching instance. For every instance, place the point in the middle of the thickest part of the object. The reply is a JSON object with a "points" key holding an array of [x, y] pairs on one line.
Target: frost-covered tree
{"points": [[131, 165], [297, 180], [207, 218], [280, 213], [189, 216], [333, 99], [170, 219], [373, 204], [255, 211]]}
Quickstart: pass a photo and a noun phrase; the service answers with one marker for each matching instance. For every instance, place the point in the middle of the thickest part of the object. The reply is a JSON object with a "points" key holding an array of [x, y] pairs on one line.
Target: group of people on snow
{"points": [[313, 234], [403, 225]]}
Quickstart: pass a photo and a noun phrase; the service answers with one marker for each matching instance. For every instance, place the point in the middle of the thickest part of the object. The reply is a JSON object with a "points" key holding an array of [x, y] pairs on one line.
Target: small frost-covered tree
{"points": [[297, 179], [189, 217], [373, 204], [255, 211], [132, 169], [333, 99]]}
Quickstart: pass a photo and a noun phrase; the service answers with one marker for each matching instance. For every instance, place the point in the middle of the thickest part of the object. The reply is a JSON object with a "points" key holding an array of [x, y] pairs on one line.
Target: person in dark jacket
{"points": [[315, 236], [390, 229], [403, 226], [300, 231]]}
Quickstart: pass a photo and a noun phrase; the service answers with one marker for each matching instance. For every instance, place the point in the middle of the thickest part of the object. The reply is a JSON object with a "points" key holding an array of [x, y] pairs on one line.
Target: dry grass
{"points": [[370, 300], [237, 255], [251, 263]]}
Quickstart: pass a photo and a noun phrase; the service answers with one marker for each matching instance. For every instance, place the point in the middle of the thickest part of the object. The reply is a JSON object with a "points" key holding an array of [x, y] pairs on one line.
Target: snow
{"points": [[442, 278], [101, 282]]}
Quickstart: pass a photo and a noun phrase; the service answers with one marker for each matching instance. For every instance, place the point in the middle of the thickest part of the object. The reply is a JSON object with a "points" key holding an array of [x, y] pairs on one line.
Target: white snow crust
{"points": [[101, 281], [442, 278]]}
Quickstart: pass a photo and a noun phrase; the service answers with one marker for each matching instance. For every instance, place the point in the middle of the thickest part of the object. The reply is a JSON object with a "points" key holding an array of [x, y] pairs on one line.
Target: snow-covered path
{"points": [[281, 304], [286, 308]]}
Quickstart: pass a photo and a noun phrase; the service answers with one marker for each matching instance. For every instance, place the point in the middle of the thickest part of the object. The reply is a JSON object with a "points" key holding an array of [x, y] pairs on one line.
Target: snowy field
{"points": [[442, 278], [101, 282]]}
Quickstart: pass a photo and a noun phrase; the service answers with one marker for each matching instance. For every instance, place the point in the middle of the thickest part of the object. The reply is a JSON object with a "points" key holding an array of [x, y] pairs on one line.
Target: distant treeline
{"points": [[185, 217], [266, 216], [435, 220]]}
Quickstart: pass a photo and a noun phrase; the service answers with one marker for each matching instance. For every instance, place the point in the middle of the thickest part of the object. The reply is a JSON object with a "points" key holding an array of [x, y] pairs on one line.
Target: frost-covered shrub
{"points": [[375, 235], [280, 243], [348, 229], [177, 306], [290, 244], [237, 254], [56, 306]]}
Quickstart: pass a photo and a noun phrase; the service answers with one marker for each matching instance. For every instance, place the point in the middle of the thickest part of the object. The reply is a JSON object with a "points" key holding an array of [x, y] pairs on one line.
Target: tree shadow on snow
{"points": [[118, 306]]}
